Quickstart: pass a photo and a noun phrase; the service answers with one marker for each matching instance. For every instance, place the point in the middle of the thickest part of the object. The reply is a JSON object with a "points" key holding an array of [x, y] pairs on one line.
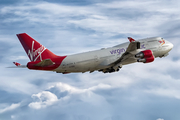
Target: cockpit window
{"points": [[162, 42]]}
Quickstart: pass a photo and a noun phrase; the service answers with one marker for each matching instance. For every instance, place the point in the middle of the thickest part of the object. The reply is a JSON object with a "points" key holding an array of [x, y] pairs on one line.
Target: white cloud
{"points": [[10, 108], [73, 102], [160, 119], [62, 16], [18, 58], [53, 13], [168, 92], [12, 116], [85, 94], [15, 83], [43, 99]]}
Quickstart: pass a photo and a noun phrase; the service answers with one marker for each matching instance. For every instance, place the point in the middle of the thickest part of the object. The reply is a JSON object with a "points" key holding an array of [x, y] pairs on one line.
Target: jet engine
{"points": [[145, 56]]}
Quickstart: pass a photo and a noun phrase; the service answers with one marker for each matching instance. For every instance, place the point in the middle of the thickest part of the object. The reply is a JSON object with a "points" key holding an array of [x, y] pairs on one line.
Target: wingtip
{"points": [[131, 39]]}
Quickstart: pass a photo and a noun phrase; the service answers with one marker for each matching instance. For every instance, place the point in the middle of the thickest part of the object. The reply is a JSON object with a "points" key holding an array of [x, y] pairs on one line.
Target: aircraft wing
{"points": [[127, 56], [132, 48]]}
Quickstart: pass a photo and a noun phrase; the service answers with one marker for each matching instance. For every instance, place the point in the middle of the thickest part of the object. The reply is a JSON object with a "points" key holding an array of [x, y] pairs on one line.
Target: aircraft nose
{"points": [[170, 46]]}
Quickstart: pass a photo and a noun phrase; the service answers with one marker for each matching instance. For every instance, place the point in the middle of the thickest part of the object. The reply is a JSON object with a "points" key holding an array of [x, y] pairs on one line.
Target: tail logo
{"points": [[34, 54]]}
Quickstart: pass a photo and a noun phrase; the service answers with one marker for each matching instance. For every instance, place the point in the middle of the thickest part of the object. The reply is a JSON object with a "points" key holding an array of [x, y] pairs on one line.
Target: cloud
{"points": [[18, 58], [44, 99], [70, 101], [101, 103], [10, 108], [56, 12], [65, 92]]}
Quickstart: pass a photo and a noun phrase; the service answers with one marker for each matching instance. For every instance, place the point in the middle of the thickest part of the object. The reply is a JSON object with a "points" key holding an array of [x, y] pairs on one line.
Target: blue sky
{"points": [[138, 91]]}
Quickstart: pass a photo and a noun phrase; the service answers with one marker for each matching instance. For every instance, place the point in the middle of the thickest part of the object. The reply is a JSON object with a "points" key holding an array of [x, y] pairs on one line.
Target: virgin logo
{"points": [[34, 54]]}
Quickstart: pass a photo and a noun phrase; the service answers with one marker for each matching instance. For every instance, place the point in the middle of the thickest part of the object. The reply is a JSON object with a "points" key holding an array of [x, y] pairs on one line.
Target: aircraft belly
{"points": [[156, 53], [85, 66]]}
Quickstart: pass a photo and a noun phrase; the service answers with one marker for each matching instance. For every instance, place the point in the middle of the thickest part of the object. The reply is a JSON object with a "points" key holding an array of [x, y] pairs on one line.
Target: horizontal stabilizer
{"points": [[46, 62], [22, 66], [18, 65]]}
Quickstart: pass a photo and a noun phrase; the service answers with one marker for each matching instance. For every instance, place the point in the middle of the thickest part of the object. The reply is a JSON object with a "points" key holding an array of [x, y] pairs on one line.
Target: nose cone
{"points": [[170, 45], [166, 46]]}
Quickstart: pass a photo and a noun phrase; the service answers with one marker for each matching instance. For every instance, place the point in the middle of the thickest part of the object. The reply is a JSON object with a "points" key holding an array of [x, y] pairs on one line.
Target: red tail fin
{"points": [[34, 50]]}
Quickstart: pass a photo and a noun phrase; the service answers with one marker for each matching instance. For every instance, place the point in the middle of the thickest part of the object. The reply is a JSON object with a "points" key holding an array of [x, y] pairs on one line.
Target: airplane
{"points": [[106, 60]]}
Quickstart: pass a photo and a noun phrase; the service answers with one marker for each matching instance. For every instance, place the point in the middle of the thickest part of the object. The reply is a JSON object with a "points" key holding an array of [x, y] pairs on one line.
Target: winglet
{"points": [[17, 64], [131, 39]]}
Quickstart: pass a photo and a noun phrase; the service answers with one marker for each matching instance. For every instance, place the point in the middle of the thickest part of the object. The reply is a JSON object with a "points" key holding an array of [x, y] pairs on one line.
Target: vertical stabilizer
{"points": [[34, 50]]}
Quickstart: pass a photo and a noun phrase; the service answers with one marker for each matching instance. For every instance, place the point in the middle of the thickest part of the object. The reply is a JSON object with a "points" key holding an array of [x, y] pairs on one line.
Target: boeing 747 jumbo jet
{"points": [[107, 60]]}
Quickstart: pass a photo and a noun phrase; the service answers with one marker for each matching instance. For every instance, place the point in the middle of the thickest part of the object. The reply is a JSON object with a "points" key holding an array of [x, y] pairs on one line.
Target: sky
{"points": [[137, 92]]}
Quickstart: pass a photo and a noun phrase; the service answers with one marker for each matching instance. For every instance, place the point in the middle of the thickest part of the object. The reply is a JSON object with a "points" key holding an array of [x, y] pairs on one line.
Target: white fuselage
{"points": [[100, 59]]}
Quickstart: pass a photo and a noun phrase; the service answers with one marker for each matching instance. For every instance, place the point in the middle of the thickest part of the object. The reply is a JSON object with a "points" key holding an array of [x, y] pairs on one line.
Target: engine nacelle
{"points": [[146, 60], [144, 54]]}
